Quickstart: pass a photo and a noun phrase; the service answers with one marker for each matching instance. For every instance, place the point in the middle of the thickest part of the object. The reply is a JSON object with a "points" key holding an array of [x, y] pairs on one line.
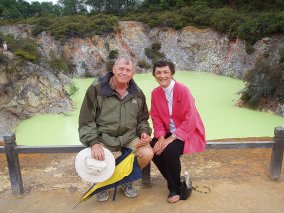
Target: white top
{"points": [[169, 93]]}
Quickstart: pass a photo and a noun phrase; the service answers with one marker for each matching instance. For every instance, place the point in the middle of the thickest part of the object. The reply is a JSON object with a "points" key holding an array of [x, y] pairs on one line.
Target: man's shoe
{"points": [[102, 196], [129, 190]]}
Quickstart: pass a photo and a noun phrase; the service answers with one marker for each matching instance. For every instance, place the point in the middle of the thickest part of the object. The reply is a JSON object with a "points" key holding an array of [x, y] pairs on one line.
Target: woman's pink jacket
{"points": [[189, 126]]}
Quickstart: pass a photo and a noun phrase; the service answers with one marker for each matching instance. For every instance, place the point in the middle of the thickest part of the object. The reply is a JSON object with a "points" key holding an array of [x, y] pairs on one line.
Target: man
{"points": [[114, 114]]}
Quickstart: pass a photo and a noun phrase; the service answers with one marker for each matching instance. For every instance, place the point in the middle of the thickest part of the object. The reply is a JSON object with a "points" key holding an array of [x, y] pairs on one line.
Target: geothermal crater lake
{"points": [[215, 98]]}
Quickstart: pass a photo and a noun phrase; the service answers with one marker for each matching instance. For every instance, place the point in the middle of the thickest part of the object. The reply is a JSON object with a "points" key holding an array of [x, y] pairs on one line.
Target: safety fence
{"points": [[13, 150]]}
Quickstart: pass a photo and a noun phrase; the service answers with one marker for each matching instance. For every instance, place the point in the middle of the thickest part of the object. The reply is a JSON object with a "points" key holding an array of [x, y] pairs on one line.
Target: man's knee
{"points": [[146, 152], [145, 155]]}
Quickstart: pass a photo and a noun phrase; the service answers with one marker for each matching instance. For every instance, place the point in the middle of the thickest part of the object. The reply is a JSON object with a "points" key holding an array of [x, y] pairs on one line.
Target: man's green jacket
{"points": [[106, 118]]}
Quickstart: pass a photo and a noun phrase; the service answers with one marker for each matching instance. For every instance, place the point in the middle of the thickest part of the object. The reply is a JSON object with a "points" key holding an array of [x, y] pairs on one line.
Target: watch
{"points": [[174, 136]]}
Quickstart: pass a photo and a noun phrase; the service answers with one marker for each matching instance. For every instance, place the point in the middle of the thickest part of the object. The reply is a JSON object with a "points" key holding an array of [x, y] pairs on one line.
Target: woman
{"points": [[178, 128]]}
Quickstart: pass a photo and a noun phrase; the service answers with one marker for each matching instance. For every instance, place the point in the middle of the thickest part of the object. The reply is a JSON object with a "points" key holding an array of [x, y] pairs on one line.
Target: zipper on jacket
{"points": [[120, 101]]}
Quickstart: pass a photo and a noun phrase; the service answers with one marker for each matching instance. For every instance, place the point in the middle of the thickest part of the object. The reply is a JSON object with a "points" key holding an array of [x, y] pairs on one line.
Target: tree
{"points": [[72, 7], [96, 5]]}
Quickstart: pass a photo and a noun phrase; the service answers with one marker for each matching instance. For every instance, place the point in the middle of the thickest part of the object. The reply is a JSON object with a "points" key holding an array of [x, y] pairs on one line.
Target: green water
{"points": [[215, 97]]}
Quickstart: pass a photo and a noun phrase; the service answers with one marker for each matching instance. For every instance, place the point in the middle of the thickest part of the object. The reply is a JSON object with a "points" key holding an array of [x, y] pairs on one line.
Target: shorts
{"points": [[130, 145]]}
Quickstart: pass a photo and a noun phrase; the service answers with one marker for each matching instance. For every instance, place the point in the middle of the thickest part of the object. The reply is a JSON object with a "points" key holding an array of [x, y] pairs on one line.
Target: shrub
{"points": [[72, 89], [226, 20], [143, 64], [264, 24], [281, 53], [26, 55], [42, 24], [265, 80], [249, 48], [112, 56], [58, 64], [154, 52]]}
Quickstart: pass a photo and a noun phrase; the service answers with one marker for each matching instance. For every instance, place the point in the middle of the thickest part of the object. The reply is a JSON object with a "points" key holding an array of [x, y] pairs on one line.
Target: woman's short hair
{"points": [[162, 63]]}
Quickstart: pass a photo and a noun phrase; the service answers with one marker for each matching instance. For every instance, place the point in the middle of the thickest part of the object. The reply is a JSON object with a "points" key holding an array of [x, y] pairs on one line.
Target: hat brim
{"points": [[80, 166]]}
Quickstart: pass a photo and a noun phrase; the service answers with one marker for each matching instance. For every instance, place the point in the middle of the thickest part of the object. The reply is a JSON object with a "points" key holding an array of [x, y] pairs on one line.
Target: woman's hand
{"points": [[166, 142], [157, 147]]}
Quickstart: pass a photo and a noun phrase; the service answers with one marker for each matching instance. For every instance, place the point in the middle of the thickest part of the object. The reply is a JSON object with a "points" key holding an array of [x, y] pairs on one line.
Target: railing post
{"points": [[146, 175], [13, 164], [277, 154]]}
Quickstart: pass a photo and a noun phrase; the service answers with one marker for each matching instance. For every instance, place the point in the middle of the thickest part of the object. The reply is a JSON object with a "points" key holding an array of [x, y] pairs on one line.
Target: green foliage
{"points": [[281, 53], [143, 64], [25, 48], [58, 64], [154, 52], [26, 55], [248, 20], [72, 89], [261, 26], [264, 81], [112, 56], [42, 24], [249, 49], [225, 18], [63, 28]]}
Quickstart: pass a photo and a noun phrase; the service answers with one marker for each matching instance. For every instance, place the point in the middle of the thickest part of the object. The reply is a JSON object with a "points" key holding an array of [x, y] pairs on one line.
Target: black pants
{"points": [[168, 163]]}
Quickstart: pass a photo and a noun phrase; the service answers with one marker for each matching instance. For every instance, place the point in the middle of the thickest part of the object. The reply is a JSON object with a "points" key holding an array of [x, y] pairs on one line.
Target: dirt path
{"points": [[238, 180]]}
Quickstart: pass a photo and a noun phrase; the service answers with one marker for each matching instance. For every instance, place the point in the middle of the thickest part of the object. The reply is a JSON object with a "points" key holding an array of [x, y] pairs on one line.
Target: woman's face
{"points": [[163, 75]]}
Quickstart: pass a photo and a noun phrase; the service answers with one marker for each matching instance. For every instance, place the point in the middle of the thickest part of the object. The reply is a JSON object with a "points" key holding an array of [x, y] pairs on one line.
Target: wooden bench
{"points": [[12, 151]]}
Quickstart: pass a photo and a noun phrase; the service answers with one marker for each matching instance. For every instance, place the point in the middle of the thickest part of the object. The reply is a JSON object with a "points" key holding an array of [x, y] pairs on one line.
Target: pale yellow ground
{"points": [[238, 180]]}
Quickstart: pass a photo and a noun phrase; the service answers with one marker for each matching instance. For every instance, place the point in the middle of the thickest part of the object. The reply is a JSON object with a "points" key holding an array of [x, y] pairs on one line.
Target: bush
{"points": [[26, 55], [281, 53], [226, 20], [264, 81], [154, 52], [66, 27], [42, 24], [112, 56], [249, 48], [72, 89], [143, 64], [58, 64], [265, 24]]}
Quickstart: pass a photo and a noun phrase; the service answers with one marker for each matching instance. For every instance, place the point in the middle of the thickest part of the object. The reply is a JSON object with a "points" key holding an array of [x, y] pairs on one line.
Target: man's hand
{"points": [[144, 139], [98, 152]]}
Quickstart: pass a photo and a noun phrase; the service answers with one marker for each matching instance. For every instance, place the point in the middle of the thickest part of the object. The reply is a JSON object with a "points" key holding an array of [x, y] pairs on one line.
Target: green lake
{"points": [[215, 99]]}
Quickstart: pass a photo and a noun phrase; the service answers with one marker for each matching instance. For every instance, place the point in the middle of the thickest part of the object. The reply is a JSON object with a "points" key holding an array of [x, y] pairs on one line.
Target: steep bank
{"points": [[34, 88], [190, 48]]}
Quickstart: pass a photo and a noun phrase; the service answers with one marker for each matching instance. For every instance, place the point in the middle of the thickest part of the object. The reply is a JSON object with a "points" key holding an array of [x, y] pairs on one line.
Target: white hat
{"points": [[92, 170]]}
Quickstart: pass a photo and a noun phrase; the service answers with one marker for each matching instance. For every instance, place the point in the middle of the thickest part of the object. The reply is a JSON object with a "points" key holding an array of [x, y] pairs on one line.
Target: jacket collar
{"points": [[107, 90]]}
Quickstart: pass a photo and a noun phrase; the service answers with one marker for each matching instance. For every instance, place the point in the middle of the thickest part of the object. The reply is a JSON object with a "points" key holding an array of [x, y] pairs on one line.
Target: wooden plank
{"points": [[239, 145], [48, 149], [13, 165], [146, 176], [77, 148], [277, 154]]}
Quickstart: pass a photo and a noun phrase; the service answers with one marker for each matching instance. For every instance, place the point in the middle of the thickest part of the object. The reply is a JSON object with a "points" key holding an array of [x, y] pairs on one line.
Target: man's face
{"points": [[163, 75], [123, 71]]}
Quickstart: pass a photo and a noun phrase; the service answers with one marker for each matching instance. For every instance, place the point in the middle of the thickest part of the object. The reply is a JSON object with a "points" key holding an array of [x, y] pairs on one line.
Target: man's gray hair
{"points": [[126, 58]]}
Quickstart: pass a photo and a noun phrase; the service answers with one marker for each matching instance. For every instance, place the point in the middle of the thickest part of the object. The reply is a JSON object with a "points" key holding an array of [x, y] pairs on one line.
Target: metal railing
{"points": [[12, 150]]}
